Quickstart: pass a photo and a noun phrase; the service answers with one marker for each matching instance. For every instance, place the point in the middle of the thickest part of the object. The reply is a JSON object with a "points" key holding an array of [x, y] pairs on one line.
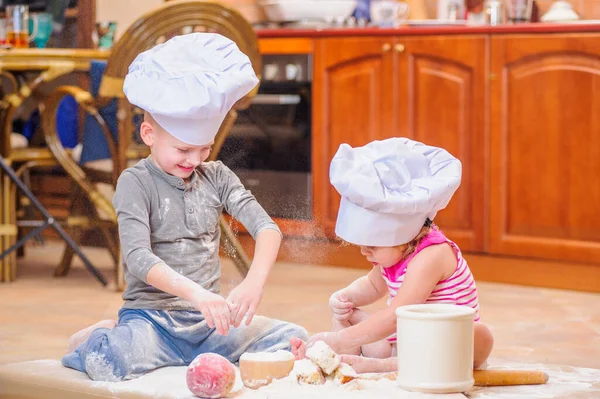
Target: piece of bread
{"points": [[308, 373], [324, 357], [344, 374]]}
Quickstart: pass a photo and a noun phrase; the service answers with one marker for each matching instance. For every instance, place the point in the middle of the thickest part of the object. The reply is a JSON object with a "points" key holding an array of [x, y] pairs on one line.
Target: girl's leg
{"points": [[362, 364], [484, 342], [356, 317]]}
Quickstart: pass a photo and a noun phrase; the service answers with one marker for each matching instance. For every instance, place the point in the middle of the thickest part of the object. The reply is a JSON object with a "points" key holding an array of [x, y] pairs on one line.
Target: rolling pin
{"points": [[487, 378]]}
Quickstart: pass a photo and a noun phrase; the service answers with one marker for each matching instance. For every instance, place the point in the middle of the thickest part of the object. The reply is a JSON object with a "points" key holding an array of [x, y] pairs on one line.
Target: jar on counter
{"points": [[475, 12], [495, 12]]}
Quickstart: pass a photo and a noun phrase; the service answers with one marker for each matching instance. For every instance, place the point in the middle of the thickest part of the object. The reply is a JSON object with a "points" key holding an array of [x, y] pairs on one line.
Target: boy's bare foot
{"points": [[79, 337], [298, 348]]}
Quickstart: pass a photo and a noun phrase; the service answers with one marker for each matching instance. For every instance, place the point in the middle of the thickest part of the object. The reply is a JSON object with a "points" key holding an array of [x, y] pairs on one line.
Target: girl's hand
{"points": [[340, 306], [330, 338]]}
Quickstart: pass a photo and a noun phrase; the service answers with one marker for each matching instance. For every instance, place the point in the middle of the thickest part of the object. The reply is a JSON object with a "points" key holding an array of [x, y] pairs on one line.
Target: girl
{"points": [[391, 191]]}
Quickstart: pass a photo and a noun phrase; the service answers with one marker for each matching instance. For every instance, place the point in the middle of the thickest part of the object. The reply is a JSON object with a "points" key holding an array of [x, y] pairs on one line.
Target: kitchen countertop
{"points": [[532, 28]]}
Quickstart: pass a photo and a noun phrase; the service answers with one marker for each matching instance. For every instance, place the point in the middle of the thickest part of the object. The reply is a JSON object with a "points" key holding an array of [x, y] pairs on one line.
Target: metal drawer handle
{"points": [[276, 99]]}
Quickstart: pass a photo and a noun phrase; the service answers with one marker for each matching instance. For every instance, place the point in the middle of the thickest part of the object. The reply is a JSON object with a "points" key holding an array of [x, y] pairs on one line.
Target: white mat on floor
{"points": [[49, 379]]}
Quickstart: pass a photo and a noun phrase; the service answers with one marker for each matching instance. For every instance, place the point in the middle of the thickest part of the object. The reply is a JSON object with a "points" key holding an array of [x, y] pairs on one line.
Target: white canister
{"points": [[435, 348]]}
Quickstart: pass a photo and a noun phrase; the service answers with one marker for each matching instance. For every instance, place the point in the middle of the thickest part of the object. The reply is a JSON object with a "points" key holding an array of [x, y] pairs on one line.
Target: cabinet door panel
{"points": [[545, 136], [352, 104], [441, 91]]}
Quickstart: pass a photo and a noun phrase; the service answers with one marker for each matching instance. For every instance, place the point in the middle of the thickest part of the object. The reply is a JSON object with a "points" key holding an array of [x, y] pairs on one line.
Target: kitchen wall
{"points": [[587, 9], [123, 12], [126, 12]]}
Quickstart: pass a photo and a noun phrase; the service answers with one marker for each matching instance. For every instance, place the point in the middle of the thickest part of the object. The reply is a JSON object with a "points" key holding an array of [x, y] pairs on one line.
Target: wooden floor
{"points": [[39, 312]]}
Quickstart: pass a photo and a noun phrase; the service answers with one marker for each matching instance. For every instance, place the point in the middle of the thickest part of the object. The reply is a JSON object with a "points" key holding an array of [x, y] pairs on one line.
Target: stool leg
{"points": [[120, 273], [11, 217], [6, 240], [234, 248], [76, 208], [65, 263], [3, 247]]}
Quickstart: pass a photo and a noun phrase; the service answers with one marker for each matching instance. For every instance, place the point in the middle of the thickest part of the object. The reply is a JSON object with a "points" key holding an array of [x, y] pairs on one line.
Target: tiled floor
{"points": [[39, 312]]}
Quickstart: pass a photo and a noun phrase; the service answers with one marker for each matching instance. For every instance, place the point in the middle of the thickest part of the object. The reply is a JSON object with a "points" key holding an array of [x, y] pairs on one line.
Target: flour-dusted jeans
{"points": [[145, 340]]}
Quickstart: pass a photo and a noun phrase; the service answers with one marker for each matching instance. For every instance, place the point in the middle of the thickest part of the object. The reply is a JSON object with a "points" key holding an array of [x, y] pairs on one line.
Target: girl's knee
{"points": [[484, 342], [483, 336]]}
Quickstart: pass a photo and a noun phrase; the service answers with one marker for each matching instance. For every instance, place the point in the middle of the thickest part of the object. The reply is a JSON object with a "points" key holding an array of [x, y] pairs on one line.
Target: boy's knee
{"points": [[290, 331], [294, 330], [105, 358], [279, 335]]}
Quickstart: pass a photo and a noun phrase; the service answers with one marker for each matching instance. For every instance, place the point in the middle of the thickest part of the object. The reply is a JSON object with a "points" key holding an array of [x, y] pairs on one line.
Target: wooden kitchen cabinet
{"points": [[431, 89], [545, 147]]}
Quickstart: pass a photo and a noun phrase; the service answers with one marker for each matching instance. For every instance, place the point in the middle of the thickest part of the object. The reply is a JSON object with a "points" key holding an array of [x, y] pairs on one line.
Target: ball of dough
{"points": [[210, 376]]}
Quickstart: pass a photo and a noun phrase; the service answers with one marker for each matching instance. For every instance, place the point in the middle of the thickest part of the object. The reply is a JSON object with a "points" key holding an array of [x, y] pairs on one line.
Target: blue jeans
{"points": [[145, 340]]}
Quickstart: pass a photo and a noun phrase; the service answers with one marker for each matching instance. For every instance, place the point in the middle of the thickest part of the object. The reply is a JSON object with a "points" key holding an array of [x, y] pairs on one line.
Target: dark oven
{"points": [[269, 147]]}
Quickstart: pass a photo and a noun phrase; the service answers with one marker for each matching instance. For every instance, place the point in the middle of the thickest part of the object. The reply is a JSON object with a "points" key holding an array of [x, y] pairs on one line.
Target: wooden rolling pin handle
{"points": [[488, 378], [485, 378]]}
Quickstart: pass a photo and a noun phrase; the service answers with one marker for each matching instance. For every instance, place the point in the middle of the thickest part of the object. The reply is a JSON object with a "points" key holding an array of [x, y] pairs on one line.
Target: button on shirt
{"points": [[161, 219]]}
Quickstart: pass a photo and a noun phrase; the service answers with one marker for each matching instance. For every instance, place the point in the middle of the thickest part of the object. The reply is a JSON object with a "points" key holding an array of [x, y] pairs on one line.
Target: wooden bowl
{"points": [[259, 369]]}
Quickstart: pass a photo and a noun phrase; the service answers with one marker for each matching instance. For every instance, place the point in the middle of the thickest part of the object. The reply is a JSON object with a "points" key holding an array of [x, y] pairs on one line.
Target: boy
{"points": [[168, 208]]}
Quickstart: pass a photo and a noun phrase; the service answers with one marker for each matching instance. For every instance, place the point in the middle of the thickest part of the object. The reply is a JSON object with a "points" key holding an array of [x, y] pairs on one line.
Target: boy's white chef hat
{"points": [[390, 188], [189, 83]]}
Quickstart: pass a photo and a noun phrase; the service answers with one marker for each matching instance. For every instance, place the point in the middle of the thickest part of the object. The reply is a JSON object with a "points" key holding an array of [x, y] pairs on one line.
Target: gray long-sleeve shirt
{"points": [[161, 219]]}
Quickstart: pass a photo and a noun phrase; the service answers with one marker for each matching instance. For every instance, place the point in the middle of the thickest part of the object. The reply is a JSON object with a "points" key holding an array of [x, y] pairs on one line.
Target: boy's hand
{"points": [[340, 306], [215, 309], [245, 298]]}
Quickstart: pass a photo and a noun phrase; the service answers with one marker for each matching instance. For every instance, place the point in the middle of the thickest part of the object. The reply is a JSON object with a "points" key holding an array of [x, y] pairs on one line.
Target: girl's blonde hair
{"points": [[412, 245]]}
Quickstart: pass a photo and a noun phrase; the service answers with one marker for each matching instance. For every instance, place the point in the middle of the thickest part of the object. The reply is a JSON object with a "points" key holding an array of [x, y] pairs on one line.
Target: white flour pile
{"points": [[279, 355], [169, 383]]}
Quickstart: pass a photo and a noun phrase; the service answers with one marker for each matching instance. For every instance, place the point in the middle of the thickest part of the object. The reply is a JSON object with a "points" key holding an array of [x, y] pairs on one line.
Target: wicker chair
{"points": [[170, 19], [20, 157]]}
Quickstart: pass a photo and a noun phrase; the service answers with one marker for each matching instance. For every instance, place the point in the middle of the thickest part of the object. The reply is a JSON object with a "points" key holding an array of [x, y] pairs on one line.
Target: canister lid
{"points": [[435, 311]]}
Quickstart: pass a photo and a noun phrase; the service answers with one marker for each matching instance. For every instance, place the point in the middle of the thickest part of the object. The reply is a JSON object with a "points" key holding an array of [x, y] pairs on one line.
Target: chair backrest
{"points": [[174, 18], [170, 19]]}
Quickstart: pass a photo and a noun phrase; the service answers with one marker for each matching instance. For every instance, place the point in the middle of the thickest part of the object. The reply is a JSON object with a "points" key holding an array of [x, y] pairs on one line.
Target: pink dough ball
{"points": [[210, 376]]}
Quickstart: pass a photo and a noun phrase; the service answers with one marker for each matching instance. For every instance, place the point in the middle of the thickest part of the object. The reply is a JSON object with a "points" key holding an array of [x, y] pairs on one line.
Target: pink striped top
{"points": [[458, 289]]}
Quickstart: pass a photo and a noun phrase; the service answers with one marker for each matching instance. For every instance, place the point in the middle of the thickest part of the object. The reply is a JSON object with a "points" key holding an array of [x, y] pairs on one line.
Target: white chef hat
{"points": [[189, 83], [390, 188]]}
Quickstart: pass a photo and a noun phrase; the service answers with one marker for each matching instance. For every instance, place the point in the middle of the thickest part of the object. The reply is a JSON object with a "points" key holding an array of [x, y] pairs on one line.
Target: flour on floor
{"points": [[169, 383]]}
